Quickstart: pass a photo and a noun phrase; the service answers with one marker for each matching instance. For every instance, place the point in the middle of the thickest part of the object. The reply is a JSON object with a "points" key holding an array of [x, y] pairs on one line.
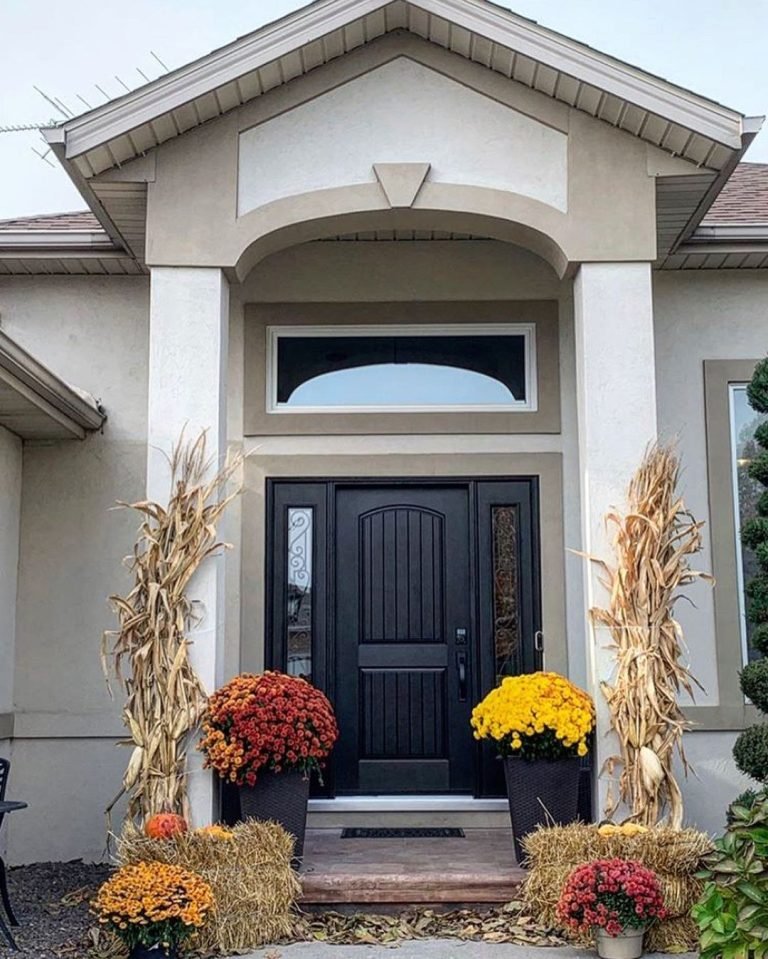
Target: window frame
{"points": [[526, 330], [732, 711]]}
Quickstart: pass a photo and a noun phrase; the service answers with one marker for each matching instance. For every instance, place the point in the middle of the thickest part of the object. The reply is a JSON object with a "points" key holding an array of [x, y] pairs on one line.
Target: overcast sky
{"points": [[714, 47]]}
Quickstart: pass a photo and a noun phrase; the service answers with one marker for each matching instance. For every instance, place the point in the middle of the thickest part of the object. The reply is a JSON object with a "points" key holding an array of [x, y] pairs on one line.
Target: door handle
{"points": [[461, 663]]}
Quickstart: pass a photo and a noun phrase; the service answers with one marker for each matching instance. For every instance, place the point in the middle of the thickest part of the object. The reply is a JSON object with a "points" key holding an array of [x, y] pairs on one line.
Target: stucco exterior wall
{"points": [[93, 333], [703, 316]]}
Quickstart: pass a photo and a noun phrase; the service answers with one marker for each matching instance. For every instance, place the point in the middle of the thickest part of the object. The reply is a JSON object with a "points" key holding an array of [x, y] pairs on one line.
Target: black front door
{"points": [[405, 601], [402, 628]]}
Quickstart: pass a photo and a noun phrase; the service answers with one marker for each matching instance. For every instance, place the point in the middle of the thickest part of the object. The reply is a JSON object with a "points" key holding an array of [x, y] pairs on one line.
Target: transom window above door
{"points": [[489, 367]]}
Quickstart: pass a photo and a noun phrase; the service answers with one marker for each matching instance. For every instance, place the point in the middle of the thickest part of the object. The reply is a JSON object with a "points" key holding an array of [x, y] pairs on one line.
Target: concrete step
{"points": [[479, 868], [410, 888]]}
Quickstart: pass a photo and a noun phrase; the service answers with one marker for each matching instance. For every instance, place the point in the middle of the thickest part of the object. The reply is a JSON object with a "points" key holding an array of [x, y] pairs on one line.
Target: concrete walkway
{"points": [[429, 949]]}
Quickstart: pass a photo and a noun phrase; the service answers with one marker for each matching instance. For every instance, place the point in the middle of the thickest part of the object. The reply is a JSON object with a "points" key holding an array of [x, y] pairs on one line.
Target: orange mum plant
{"points": [[154, 904]]}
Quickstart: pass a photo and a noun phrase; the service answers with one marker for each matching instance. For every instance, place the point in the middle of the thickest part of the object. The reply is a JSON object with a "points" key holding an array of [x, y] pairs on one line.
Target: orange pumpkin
{"points": [[165, 825]]}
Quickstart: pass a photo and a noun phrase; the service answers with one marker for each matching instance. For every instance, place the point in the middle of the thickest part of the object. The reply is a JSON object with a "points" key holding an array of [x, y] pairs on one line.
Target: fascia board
{"points": [[679, 106]]}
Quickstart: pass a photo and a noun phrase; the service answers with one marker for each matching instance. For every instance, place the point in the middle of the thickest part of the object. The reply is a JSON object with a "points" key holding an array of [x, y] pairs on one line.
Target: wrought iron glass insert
{"points": [[400, 371], [506, 603], [299, 591]]}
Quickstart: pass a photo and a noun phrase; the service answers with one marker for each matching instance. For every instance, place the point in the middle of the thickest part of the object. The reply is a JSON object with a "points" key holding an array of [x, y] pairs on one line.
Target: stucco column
{"points": [[189, 322], [616, 390]]}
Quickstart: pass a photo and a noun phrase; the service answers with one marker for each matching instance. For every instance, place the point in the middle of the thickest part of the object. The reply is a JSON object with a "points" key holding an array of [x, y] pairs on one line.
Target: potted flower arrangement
{"points": [[153, 907], [267, 734], [614, 899], [542, 725]]}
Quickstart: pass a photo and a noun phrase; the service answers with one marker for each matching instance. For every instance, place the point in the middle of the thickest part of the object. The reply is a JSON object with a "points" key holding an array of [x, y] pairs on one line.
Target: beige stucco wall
{"points": [[93, 333], [702, 316]]}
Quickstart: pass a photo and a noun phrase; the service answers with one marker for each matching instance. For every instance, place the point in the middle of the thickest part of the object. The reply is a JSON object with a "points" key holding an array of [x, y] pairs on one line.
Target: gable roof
{"points": [[667, 115], [676, 120]]}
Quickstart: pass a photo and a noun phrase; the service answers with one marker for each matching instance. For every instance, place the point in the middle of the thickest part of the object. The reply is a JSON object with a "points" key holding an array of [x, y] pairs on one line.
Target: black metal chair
{"points": [[6, 807]]}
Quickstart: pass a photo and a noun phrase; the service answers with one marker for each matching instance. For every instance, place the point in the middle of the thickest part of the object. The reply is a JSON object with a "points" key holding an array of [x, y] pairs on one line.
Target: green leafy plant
{"points": [[732, 914], [751, 748]]}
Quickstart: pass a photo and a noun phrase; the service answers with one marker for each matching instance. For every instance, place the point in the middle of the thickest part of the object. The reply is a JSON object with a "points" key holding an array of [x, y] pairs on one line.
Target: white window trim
{"points": [[732, 387], [526, 330]]}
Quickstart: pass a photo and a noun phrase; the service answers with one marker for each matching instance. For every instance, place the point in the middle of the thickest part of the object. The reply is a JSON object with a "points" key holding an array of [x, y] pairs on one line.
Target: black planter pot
{"points": [[281, 797], [540, 792], [152, 952]]}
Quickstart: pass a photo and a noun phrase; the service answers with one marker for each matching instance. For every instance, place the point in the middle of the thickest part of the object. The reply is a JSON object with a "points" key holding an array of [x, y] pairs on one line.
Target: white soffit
{"points": [[674, 119]]}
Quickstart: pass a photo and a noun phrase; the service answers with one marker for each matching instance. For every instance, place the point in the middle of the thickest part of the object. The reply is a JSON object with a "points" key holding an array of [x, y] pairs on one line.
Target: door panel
{"points": [[402, 591]]}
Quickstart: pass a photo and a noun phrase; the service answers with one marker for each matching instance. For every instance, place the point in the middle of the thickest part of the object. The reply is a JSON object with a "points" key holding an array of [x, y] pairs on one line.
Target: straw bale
{"points": [[674, 855], [254, 887]]}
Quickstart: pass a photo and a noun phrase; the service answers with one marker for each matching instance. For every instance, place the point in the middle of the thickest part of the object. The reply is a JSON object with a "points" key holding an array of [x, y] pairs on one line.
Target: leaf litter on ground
{"points": [[500, 924]]}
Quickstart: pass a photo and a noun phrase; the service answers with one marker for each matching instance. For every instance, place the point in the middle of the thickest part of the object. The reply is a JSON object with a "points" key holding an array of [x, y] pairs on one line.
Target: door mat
{"points": [[407, 833]]}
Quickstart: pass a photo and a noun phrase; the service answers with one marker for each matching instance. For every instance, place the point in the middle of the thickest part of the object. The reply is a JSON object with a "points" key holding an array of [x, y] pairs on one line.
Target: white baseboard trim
{"points": [[442, 804]]}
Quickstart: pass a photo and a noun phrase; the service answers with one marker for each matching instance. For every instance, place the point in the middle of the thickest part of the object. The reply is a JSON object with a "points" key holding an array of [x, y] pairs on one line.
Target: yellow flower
{"points": [[533, 706]]}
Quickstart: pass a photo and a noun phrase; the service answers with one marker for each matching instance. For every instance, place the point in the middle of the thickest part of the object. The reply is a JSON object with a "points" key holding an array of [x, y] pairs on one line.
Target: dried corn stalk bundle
{"points": [[653, 542], [150, 650]]}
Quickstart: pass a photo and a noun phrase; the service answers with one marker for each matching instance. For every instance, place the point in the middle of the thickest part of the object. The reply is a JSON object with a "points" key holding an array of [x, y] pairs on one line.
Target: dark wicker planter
{"points": [[540, 792], [281, 797], [152, 952]]}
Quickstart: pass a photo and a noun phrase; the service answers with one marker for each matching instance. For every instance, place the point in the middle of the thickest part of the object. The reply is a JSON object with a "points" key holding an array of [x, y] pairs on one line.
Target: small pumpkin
{"points": [[216, 831], [165, 825]]}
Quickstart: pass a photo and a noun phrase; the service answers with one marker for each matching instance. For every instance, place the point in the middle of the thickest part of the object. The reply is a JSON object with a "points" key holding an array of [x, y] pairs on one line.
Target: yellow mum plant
{"points": [[536, 716], [153, 904]]}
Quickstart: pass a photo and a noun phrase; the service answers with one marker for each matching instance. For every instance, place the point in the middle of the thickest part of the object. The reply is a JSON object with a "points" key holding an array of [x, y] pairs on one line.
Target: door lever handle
{"points": [[461, 662]]}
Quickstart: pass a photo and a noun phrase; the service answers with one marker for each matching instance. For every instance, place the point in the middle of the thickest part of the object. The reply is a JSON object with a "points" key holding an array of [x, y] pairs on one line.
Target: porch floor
{"points": [[481, 867]]}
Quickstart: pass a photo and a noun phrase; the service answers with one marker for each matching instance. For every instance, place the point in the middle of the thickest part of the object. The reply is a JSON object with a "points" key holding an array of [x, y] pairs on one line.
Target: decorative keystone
{"points": [[401, 182]]}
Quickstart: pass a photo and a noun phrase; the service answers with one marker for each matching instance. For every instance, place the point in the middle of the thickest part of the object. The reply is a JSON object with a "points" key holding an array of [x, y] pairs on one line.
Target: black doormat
{"points": [[408, 833]]}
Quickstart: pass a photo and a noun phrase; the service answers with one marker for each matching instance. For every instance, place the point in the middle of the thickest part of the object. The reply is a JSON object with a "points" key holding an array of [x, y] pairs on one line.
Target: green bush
{"points": [[732, 914], [760, 638], [751, 752], [761, 554], [757, 596], [758, 469], [754, 532], [761, 434], [754, 683], [751, 748], [747, 799], [757, 389]]}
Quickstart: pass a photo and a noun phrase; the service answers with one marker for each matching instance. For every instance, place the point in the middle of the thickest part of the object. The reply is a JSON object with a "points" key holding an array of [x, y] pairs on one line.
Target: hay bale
{"points": [[254, 887], [553, 852]]}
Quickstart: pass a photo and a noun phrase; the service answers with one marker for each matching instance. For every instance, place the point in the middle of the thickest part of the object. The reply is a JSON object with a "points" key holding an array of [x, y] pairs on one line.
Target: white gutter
{"points": [[50, 394], [733, 233], [55, 239]]}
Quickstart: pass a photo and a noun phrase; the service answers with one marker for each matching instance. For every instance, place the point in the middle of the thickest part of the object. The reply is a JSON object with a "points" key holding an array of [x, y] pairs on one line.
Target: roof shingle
{"points": [[743, 199], [77, 222]]}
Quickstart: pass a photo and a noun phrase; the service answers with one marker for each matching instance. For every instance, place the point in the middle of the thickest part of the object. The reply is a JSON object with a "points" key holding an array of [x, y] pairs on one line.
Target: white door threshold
{"points": [[413, 804]]}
